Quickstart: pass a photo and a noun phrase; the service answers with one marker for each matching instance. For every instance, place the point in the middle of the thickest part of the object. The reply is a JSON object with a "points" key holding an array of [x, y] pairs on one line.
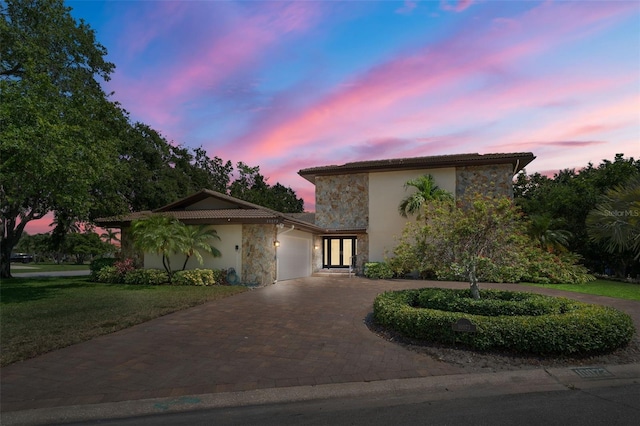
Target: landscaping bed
{"points": [[515, 322], [493, 361]]}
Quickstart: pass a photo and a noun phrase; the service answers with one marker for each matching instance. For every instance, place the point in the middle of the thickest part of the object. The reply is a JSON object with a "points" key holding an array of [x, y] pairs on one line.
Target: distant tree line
{"points": [[67, 148], [594, 212]]}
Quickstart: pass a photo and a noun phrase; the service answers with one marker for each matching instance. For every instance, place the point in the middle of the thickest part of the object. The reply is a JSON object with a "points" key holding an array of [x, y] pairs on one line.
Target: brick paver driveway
{"points": [[300, 332]]}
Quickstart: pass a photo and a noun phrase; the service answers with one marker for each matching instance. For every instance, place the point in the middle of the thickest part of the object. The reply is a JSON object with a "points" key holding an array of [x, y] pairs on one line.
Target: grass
{"points": [[46, 267], [616, 289], [39, 315]]}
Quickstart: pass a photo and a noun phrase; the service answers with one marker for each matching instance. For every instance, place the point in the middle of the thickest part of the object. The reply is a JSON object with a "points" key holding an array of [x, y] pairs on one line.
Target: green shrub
{"points": [[97, 264], [541, 325], [378, 270], [220, 276], [200, 277], [146, 277], [109, 274]]}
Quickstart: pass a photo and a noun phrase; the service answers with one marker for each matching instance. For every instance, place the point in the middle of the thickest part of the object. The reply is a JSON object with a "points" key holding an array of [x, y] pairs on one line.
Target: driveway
{"points": [[300, 332]]}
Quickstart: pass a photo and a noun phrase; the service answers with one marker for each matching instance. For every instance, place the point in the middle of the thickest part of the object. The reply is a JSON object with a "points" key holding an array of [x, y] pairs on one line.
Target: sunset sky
{"points": [[308, 83]]}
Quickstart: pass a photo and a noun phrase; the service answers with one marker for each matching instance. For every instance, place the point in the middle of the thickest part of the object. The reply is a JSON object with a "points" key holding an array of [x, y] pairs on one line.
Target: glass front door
{"points": [[338, 251]]}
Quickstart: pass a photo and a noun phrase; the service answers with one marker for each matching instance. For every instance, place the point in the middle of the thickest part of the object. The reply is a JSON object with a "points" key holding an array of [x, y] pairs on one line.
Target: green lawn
{"points": [[38, 315], [616, 289], [17, 268]]}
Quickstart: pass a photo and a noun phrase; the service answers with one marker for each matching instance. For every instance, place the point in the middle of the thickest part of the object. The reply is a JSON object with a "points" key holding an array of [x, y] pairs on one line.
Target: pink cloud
{"points": [[457, 6], [361, 108], [163, 97]]}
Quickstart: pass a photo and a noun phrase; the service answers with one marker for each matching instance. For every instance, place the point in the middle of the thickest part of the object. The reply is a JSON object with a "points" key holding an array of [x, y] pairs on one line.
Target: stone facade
{"points": [[342, 202], [363, 252], [258, 254], [494, 179]]}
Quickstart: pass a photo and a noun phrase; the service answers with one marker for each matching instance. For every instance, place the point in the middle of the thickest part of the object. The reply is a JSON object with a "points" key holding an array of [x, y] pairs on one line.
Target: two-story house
{"points": [[356, 218]]}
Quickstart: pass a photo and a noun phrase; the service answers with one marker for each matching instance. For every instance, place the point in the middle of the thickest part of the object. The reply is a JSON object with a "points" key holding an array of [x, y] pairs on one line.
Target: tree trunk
{"points": [[5, 261], [184, 266], [6, 247], [473, 279], [166, 262]]}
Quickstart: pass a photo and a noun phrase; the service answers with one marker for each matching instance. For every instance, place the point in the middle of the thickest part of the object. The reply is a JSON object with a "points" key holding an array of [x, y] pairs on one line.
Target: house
{"points": [[356, 219]]}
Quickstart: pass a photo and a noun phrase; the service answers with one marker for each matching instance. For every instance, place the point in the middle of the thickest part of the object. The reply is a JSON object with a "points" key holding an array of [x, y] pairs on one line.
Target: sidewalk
{"points": [[299, 335]]}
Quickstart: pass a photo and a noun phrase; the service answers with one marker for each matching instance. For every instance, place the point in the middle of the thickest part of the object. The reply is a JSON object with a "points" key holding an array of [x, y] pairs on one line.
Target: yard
{"points": [[620, 290], [38, 315]]}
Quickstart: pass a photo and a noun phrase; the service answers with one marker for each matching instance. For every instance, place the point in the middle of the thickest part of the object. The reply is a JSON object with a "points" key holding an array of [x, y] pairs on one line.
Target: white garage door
{"points": [[294, 257]]}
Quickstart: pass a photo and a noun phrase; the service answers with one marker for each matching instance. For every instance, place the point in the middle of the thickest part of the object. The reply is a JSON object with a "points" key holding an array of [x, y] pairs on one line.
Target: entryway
{"points": [[338, 251]]}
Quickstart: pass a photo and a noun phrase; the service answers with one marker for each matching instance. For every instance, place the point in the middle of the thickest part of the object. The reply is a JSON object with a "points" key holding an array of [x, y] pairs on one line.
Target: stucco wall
{"points": [[342, 201], [258, 254], [386, 192], [230, 236], [494, 179]]}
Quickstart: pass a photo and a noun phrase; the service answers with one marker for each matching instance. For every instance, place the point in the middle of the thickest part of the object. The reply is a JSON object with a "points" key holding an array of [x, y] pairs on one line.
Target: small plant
{"points": [[97, 264], [114, 273], [124, 266], [109, 274], [199, 277], [146, 277], [378, 270]]}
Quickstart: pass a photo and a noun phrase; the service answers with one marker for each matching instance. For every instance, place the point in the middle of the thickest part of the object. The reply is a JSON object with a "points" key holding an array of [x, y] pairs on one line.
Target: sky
{"points": [[291, 85]]}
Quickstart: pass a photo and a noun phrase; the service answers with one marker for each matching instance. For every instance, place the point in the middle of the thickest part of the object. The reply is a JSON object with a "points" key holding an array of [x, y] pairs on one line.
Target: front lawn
{"points": [[616, 289], [38, 315]]}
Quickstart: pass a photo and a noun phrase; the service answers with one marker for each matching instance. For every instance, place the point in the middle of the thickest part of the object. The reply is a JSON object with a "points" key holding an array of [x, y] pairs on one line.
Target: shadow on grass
{"points": [[18, 290]]}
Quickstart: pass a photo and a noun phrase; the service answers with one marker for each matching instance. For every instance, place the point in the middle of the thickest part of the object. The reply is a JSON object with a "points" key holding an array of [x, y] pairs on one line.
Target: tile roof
{"points": [[518, 159], [305, 217]]}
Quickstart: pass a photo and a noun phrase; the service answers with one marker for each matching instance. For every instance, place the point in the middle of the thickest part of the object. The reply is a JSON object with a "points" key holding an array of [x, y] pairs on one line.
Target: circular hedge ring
{"points": [[516, 321]]}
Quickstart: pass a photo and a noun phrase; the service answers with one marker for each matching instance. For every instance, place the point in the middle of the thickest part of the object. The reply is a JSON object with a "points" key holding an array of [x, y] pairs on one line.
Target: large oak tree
{"points": [[55, 118]]}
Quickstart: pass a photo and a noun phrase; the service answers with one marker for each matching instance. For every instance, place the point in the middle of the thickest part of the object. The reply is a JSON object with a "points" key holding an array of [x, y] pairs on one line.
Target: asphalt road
{"points": [[596, 406], [19, 274]]}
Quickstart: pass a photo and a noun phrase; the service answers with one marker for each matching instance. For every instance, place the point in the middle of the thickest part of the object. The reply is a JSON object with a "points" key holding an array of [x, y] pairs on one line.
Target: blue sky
{"points": [[289, 85]]}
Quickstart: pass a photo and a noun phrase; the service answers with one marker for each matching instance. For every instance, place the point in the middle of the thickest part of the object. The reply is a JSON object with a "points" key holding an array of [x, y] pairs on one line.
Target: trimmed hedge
{"points": [[146, 277], [377, 270], [199, 277], [516, 321]]}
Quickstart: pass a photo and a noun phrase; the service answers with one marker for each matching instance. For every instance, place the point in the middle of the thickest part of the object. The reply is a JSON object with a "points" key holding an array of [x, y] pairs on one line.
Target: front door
{"points": [[338, 251]]}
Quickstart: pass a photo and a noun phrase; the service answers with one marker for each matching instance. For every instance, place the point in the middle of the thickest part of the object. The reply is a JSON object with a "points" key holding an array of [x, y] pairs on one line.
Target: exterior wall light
{"points": [[276, 243]]}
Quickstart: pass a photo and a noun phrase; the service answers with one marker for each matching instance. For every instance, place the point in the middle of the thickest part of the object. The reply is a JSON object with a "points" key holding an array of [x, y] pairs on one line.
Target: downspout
{"points": [[277, 259]]}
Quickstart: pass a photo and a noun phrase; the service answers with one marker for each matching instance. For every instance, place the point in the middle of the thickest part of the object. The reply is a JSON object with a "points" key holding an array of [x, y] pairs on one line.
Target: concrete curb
{"points": [[430, 388]]}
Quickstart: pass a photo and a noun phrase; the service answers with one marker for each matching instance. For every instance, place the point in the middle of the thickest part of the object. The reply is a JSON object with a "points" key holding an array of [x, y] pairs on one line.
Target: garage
{"points": [[294, 255]]}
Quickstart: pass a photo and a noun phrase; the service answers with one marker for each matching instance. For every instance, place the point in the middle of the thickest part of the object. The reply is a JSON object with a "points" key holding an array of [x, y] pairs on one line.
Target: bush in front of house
{"points": [[146, 277], [512, 321], [97, 264], [199, 277], [378, 270], [114, 273], [108, 274]]}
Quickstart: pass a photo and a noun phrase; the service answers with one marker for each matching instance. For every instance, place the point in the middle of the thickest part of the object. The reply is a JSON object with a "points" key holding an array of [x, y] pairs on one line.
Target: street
{"points": [[596, 406]]}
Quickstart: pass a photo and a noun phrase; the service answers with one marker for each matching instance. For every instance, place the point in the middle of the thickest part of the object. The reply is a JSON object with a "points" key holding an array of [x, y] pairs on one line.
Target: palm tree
{"points": [[543, 229], [427, 190], [193, 239], [159, 234], [616, 219], [109, 236]]}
